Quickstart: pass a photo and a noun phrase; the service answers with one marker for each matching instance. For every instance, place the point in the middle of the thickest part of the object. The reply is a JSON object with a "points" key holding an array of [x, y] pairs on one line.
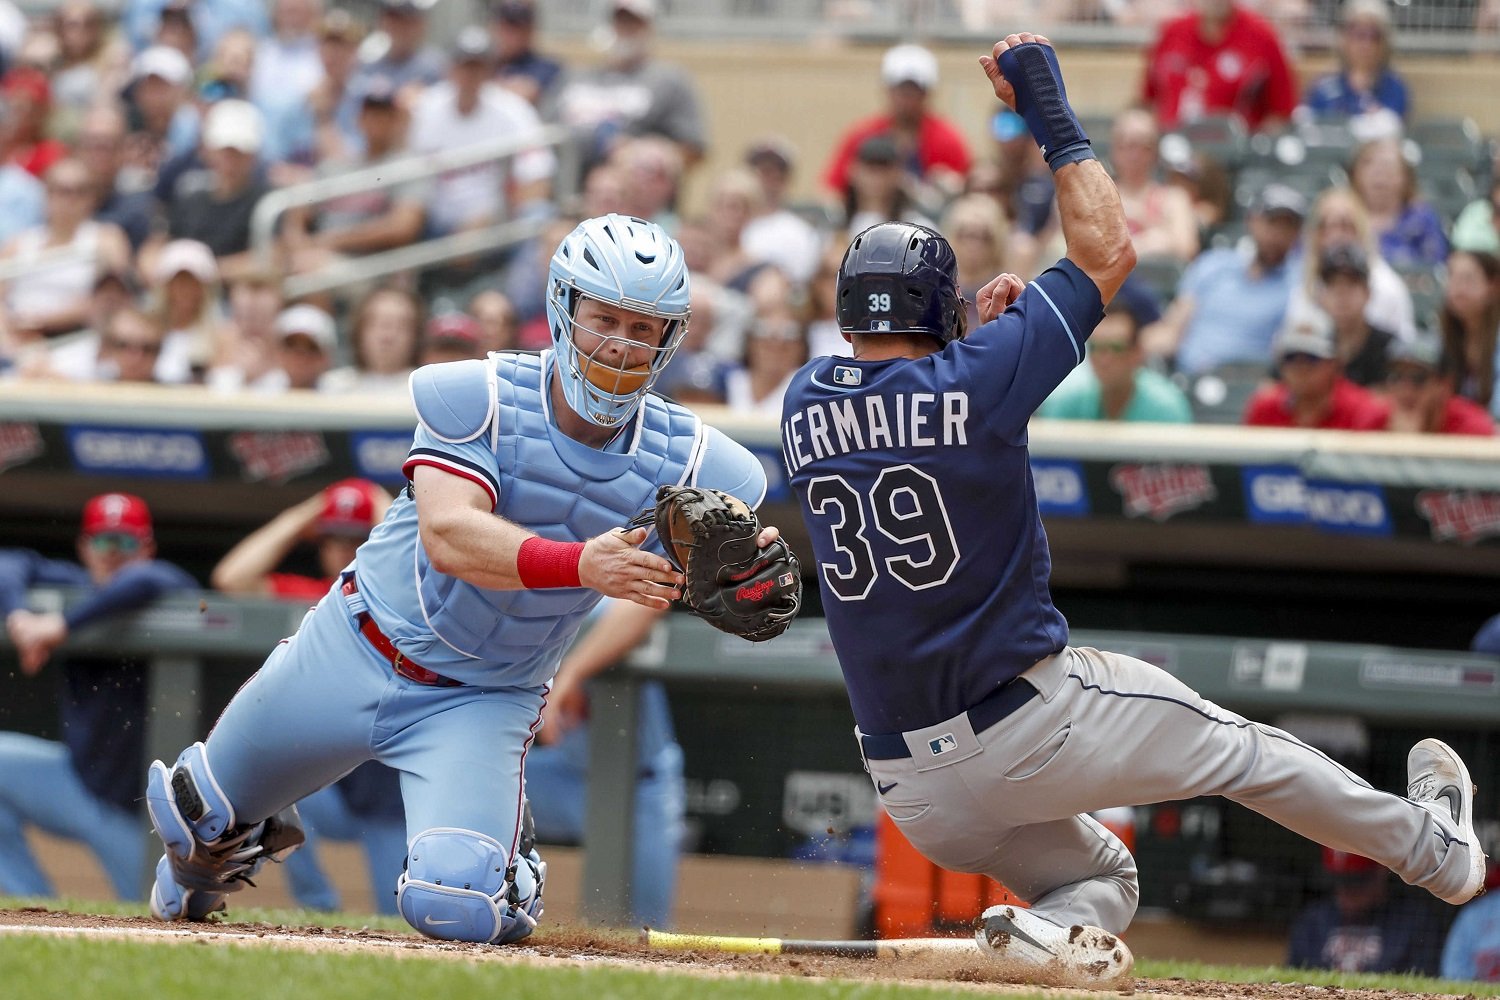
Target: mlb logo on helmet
{"points": [[880, 326], [942, 744], [847, 376]]}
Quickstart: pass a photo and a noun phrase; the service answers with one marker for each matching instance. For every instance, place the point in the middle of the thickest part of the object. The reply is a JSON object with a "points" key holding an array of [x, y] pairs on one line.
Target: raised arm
{"points": [[1024, 73]]}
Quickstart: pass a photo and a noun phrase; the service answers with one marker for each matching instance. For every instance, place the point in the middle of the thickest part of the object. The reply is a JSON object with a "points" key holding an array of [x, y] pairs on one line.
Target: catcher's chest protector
{"points": [[564, 491]]}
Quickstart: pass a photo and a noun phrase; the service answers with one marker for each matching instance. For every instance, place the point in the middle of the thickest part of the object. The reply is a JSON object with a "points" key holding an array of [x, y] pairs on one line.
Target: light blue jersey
{"points": [[490, 422]]}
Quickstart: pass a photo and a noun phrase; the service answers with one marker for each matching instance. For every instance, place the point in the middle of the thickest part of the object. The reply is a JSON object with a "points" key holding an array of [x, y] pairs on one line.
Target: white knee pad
{"points": [[460, 886]]}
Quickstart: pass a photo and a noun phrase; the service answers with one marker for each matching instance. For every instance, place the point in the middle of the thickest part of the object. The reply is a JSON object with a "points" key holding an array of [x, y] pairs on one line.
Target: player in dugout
{"points": [[988, 738], [85, 788]]}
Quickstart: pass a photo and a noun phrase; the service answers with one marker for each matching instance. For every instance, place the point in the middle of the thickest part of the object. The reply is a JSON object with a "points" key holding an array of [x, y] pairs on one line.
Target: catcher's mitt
{"points": [[732, 583]]}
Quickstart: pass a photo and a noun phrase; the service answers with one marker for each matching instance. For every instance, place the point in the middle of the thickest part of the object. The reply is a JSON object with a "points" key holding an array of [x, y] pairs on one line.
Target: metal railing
{"points": [[425, 253]]}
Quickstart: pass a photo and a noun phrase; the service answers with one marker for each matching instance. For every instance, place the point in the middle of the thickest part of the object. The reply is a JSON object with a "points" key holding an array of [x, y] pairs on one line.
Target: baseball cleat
{"points": [[1077, 955], [170, 901], [1437, 779]]}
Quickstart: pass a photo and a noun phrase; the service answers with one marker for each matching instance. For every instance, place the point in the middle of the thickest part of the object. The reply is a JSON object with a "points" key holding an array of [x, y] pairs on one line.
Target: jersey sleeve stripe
{"points": [[1077, 353], [455, 466]]}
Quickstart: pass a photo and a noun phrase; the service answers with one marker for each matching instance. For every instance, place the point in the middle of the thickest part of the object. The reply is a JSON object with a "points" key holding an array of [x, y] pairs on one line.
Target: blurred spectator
{"points": [[977, 229], [1159, 215], [287, 69], [86, 788], [1475, 229], [1472, 950], [1339, 219], [61, 258], [526, 284], [1219, 59], [468, 108], [371, 220], [1115, 384], [1470, 322], [1206, 184], [80, 357], [603, 191], [408, 60], [775, 347], [1363, 928], [28, 97], [1344, 294], [876, 189], [91, 64], [175, 30], [306, 344], [185, 287], [824, 338], [131, 347], [214, 207], [695, 373], [1312, 391], [163, 123], [632, 93], [734, 198], [929, 149], [332, 108], [366, 804], [452, 336], [23, 198], [1420, 386], [519, 67], [651, 168], [206, 20], [1365, 83], [248, 350], [385, 340], [499, 326], [229, 70], [1025, 191], [1230, 303], [101, 148], [1409, 231], [776, 235]]}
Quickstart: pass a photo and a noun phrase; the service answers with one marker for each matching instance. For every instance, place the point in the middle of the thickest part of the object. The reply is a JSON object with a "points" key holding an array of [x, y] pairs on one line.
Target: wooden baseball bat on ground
{"points": [[895, 948]]}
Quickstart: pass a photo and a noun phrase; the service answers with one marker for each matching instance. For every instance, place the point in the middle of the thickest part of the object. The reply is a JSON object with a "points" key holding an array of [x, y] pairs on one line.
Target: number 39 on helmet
{"points": [[898, 277]]}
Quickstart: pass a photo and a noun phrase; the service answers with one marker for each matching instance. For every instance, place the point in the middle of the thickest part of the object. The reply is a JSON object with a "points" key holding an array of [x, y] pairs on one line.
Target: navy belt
{"points": [[995, 706]]}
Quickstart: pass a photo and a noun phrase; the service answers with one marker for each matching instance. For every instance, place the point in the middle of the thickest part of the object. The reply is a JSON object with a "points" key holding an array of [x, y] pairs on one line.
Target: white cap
{"points": [[234, 124], [163, 61], [186, 255], [909, 64], [310, 321]]}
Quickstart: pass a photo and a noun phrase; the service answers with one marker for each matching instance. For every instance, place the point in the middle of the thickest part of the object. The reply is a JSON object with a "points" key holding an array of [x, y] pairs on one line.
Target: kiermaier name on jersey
{"points": [[839, 426]]}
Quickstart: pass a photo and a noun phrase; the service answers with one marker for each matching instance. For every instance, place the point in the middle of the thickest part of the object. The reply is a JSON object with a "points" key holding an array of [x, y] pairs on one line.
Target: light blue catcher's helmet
{"points": [[626, 262]]}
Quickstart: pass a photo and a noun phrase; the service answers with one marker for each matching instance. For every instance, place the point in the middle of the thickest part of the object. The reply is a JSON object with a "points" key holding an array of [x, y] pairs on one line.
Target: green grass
{"points": [[43, 968]]}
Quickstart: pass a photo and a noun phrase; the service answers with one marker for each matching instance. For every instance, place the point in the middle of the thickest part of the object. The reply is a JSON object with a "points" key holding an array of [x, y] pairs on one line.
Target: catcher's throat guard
{"points": [[731, 581]]}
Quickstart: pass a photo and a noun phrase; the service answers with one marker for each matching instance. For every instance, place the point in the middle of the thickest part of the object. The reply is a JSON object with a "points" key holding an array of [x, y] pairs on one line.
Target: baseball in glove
{"points": [[732, 582]]}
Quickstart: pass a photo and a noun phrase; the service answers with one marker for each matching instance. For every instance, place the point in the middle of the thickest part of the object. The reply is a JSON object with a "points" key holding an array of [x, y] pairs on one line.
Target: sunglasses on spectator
{"points": [[1301, 358], [1415, 377], [1363, 33], [1110, 346], [134, 346], [975, 234], [70, 189], [115, 541]]}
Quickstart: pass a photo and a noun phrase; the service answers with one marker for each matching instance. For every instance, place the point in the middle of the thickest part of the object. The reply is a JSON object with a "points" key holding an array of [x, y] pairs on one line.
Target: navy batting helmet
{"points": [[898, 277]]}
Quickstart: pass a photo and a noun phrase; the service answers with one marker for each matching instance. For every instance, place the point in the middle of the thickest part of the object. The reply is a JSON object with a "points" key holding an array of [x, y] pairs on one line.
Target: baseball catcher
{"points": [[731, 581]]}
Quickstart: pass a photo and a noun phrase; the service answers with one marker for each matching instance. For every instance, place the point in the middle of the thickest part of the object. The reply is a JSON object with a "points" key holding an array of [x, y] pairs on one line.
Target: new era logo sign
{"points": [[847, 376], [942, 744]]}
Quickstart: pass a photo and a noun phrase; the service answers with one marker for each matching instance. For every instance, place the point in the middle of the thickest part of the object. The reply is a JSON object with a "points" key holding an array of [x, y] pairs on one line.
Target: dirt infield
{"points": [[572, 946]]}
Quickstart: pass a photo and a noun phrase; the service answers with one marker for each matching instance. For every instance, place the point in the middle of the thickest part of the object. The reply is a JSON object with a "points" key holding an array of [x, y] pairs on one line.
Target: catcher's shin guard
{"points": [[207, 854], [458, 886]]}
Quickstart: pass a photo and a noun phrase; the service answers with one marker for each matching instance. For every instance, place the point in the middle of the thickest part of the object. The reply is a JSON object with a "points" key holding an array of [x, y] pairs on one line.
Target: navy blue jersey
{"points": [[916, 487]]}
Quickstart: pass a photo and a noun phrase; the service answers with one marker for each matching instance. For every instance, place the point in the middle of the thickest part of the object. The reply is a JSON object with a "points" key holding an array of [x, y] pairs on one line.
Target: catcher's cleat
{"points": [[1437, 779], [1075, 956], [170, 901]]}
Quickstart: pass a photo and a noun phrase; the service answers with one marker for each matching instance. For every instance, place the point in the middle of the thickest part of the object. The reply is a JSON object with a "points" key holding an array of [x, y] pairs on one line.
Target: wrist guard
{"points": [[1032, 70]]}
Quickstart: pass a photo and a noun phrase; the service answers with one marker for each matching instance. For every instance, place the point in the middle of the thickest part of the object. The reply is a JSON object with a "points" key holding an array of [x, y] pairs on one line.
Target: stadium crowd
{"points": [[1313, 255]]}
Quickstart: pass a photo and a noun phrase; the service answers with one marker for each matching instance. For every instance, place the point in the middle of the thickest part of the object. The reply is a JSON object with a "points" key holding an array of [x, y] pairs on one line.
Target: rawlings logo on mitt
{"points": [[732, 582]]}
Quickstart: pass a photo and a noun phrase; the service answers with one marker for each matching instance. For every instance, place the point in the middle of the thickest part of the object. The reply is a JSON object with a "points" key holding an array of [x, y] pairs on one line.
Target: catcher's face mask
{"points": [[617, 306]]}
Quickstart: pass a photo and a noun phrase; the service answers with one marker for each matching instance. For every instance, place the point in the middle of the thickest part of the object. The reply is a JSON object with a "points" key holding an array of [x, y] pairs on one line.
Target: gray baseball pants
{"points": [[1110, 730]]}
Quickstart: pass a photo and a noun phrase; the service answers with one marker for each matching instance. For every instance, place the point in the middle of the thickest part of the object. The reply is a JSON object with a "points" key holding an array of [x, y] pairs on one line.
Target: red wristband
{"points": [[541, 563]]}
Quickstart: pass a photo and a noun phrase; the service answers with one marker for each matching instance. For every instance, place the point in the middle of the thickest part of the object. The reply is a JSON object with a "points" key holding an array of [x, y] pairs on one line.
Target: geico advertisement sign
{"points": [[174, 453], [1060, 488], [1280, 495]]}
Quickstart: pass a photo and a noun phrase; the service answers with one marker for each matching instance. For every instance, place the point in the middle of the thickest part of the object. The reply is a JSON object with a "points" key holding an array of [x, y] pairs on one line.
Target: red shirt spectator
{"points": [[931, 146], [1420, 381], [1219, 59], [29, 95], [1461, 416], [1313, 392]]}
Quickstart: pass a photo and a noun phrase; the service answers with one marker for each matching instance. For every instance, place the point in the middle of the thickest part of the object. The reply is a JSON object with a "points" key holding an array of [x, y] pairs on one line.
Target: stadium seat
{"points": [[1160, 274], [1455, 140], [1221, 137], [1220, 396]]}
